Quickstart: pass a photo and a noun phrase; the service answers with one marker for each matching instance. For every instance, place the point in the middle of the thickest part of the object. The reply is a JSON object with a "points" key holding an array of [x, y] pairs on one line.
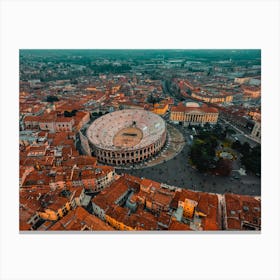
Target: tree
{"points": [[67, 114], [203, 154], [219, 132], [152, 99], [229, 131], [207, 126], [70, 114], [236, 145], [252, 160], [52, 98], [245, 148]]}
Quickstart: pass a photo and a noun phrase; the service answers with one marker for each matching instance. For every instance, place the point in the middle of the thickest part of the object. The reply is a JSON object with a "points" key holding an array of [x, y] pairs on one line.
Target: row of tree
{"points": [[110, 68]]}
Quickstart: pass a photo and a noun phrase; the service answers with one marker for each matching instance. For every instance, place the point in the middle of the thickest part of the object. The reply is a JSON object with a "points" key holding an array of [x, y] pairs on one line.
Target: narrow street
{"points": [[242, 135]]}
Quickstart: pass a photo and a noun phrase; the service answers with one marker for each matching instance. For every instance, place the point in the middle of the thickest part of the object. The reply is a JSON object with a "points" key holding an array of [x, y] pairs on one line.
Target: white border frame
{"points": [[134, 24]]}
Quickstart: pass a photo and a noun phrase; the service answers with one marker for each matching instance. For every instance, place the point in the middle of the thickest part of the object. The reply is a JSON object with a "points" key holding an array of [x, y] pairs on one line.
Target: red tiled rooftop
{"points": [[175, 225], [150, 183], [108, 196], [31, 118], [243, 208], [183, 108], [77, 220], [234, 224], [58, 203], [132, 178], [63, 119], [162, 199]]}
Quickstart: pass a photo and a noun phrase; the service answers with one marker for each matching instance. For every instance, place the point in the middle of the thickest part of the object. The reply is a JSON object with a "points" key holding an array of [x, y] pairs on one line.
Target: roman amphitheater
{"points": [[126, 137]]}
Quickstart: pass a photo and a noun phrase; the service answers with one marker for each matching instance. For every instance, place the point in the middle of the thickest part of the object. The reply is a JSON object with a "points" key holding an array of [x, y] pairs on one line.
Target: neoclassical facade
{"points": [[127, 136], [194, 115]]}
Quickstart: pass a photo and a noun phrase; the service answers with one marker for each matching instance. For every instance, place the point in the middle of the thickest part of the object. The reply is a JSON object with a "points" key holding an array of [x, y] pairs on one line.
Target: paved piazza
{"points": [[174, 169]]}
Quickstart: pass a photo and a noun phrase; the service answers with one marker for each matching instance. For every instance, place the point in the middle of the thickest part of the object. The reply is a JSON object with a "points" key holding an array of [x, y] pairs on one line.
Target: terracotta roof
{"points": [[63, 119], [162, 199], [183, 108], [31, 118], [37, 178], [243, 208], [150, 183], [207, 204], [80, 219], [108, 196], [175, 225], [234, 224]]}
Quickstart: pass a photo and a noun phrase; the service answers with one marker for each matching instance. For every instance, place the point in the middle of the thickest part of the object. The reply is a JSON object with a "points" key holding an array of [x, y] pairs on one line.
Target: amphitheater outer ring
{"points": [[102, 131]]}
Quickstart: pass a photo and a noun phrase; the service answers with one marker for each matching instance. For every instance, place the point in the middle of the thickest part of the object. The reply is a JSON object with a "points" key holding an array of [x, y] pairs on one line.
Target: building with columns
{"points": [[194, 115]]}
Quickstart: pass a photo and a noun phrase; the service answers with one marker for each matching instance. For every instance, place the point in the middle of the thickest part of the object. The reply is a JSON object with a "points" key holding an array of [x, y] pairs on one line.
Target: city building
{"points": [[225, 98], [193, 115], [93, 178], [55, 122], [80, 220], [242, 212], [251, 91], [256, 132], [161, 108]]}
